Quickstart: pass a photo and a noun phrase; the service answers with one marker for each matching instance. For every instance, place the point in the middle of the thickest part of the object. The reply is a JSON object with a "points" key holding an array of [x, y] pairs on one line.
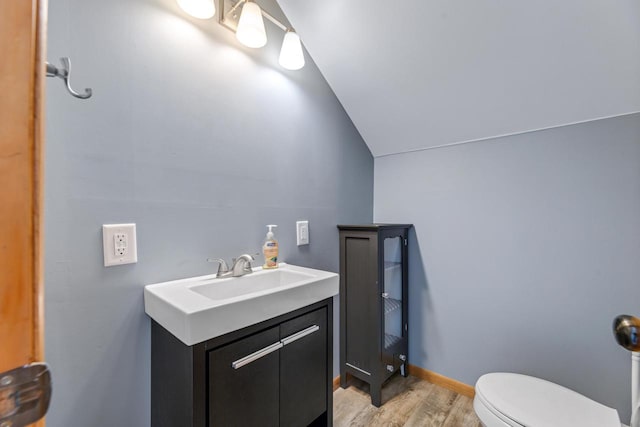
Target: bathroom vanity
{"points": [[274, 372]]}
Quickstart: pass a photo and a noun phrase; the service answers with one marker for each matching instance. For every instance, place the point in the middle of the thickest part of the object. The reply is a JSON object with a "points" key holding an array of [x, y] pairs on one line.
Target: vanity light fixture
{"points": [[291, 56], [248, 26], [251, 32]]}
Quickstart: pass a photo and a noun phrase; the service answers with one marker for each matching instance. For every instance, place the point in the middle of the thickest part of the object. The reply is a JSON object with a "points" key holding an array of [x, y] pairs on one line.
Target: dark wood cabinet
{"points": [[373, 303], [304, 364], [245, 395], [275, 373]]}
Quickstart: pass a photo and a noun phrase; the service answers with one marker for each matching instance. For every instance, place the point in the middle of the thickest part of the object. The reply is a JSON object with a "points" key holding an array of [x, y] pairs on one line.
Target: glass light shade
{"points": [[251, 31], [203, 9], [291, 56]]}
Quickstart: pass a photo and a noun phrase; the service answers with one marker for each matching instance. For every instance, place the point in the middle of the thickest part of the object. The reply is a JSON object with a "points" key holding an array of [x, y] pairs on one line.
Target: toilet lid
{"points": [[534, 402]]}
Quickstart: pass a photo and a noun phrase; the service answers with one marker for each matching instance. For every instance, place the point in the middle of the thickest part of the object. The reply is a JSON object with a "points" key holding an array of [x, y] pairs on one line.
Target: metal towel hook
{"points": [[65, 74]]}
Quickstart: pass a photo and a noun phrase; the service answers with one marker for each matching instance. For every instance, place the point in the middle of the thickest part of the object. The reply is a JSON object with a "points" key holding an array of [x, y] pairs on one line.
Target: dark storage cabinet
{"points": [[246, 395], [276, 373], [373, 303]]}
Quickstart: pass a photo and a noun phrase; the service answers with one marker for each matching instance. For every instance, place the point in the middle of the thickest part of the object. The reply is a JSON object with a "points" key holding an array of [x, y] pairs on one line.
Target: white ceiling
{"points": [[421, 73]]}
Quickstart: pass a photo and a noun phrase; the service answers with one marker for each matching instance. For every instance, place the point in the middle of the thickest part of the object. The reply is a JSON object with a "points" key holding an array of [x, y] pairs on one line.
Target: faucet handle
{"points": [[248, 264], [248, 258], [242, 265], [223, 268]]}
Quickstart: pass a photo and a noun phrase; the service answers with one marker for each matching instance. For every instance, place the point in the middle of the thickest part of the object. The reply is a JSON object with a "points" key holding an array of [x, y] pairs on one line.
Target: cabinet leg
{"points": [[376, 395], [343, 379], [403, 370]]}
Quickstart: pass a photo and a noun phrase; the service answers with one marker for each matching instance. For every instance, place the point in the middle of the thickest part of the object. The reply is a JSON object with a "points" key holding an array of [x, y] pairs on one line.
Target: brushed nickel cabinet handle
{"points": [[256, 355], [298, 335]]}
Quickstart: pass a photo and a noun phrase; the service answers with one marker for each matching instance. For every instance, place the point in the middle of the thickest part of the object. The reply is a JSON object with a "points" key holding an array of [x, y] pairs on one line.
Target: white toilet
{"points": [[514, 400]]}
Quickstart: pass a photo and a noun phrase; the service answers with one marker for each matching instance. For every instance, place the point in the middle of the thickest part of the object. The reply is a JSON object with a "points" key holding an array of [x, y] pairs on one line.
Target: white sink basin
{"points": [[227, 288], [201, 308]]}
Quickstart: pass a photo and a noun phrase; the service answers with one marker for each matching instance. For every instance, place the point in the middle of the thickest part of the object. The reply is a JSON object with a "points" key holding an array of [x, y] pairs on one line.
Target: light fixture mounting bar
{"points": [[275, 21], [237, 5], [228, 16]]}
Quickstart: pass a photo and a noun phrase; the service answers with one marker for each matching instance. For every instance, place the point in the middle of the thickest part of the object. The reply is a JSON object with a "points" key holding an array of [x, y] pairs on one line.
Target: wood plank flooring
{"points": [[406, 402]]}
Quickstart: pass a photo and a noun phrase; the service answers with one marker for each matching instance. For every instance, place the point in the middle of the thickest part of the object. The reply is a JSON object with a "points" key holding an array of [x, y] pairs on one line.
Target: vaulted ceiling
{"points": [[421, 73]]}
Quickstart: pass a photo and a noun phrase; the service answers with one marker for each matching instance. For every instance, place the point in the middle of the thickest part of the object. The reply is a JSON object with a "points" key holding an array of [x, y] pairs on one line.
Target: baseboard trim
{"points": [[433, 378], [336, 383], [442, 381]]}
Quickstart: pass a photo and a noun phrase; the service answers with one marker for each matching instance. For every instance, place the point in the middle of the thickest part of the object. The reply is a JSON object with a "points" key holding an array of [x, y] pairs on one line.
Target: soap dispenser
{"points": [[270, 249]]}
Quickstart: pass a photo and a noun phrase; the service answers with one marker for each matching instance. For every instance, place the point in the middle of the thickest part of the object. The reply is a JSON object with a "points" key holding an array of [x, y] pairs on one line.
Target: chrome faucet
{"points": [[242, 265]]}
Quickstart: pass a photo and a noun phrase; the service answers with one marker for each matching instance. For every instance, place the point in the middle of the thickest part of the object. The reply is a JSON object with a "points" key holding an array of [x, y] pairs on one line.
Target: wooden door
{"points": [[22, 41]]}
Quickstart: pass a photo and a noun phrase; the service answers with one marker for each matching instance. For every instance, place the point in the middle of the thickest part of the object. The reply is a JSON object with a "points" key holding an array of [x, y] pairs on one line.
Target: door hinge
{"points": [[405, 242], [25, 394]]}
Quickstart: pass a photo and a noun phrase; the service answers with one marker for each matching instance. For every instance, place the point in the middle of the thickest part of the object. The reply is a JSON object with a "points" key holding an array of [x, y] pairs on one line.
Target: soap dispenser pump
{"points": [[270, 249]]}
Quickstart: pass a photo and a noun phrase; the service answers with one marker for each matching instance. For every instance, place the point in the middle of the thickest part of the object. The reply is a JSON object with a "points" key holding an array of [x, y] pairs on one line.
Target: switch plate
{"points": [[119, 244], [302, 232]]}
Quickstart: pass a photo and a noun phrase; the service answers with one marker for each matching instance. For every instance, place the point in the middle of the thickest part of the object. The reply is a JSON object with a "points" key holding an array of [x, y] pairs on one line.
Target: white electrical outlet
{"points": [[302, 232], [119, 244]]}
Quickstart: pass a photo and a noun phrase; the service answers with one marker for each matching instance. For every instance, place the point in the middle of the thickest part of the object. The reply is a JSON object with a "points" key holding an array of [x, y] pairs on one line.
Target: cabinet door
{"points": [[244, 381], [303, 364], [393, 298], [359, 300]]}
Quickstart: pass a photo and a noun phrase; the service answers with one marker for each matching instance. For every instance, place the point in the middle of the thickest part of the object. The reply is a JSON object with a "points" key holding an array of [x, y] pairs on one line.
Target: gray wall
{"points": [[468, 69], [524, 250], [201, 143]]}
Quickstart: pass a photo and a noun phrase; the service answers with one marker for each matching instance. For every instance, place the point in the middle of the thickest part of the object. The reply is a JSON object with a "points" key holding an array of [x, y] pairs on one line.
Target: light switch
{"points": [[302, 232]]}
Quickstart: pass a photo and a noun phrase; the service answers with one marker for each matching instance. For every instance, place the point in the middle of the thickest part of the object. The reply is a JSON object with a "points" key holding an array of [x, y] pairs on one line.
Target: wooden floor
{"points": [[407, 402]]}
